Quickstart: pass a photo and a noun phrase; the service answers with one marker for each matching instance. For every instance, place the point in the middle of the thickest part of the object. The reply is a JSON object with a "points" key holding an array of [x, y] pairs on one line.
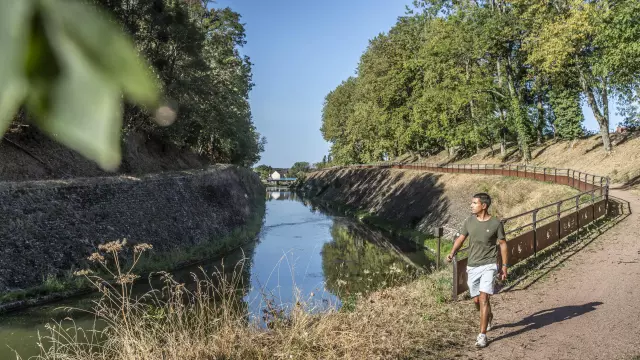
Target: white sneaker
{"points": [[481, 341]]}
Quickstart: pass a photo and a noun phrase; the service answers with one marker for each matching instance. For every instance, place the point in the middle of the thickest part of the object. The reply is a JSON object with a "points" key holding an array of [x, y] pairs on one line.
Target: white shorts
{"points": [[480, 278]]}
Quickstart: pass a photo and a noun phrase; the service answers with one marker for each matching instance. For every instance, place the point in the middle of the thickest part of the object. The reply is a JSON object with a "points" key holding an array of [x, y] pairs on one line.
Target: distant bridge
{"points": [[277, 181]]}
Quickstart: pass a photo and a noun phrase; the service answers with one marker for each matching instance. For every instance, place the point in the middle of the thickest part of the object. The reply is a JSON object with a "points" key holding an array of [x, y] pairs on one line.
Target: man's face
{"points": [[476, 206]]}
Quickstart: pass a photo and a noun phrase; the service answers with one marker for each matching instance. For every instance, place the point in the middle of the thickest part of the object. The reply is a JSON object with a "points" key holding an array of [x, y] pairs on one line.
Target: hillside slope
{"points": [[622, 165], [27, 154], [422, 200]]}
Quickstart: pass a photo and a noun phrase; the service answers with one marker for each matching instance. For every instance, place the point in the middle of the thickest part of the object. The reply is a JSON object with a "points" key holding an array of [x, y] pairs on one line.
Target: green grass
{"points": [[50, 285], [417, 237], [207, 250]]}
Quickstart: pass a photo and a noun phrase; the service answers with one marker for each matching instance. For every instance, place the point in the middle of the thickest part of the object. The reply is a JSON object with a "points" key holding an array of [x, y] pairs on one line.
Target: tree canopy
{"points": [[461, 75], [71, 61], [264, 171], [298, 169]]}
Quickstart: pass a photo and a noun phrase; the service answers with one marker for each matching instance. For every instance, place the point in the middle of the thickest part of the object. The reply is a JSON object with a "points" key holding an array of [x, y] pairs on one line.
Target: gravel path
{"points": [[589, 308]]}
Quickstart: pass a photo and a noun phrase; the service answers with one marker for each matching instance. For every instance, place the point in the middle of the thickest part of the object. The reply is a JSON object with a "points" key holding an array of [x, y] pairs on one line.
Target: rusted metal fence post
{"points": [[601, 188], [580, 180], [535, 237], [454, 288], [440, 232], [558, 218], [578, 214], [606, 197]]}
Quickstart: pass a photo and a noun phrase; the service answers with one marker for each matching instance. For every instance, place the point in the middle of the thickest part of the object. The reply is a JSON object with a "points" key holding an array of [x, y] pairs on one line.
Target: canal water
{"points": [[303, 251]]}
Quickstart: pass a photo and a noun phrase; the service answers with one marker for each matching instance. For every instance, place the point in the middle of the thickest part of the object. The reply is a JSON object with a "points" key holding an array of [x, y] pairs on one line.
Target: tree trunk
{"points": [[601, 117], [519, 117], [503, 136], [475, 126], [521, 128], [541, 122]]}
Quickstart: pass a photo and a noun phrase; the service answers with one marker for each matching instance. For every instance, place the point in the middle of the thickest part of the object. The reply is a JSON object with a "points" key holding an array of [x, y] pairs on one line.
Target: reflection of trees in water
{"points": [[360, 260]]}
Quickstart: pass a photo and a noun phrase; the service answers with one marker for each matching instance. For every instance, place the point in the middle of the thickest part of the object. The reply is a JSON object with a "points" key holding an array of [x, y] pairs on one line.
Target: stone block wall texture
{"points": [[49, 227]]}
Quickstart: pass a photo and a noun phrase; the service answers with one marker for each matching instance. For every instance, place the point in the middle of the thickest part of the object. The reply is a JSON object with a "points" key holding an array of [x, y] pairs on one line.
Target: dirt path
{"points": [[587, 309]]}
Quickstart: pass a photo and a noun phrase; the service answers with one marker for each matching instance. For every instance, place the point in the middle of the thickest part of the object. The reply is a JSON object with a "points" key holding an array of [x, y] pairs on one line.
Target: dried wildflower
{"points": [[113, 246], [83, 272], [102, 288], [96, 257], [126, 278], [142, 248]]}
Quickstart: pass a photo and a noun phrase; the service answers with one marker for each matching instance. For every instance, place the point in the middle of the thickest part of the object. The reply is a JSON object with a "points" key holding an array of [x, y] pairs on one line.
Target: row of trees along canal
{"points": [[468, 74], [193, 50]]}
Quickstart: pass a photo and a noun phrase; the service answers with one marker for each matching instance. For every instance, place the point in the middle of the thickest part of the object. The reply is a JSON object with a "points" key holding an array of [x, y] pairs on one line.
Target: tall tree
{"points": [[264, 171], [194, 51], [595, 41], [299, 168], [463, 74]]}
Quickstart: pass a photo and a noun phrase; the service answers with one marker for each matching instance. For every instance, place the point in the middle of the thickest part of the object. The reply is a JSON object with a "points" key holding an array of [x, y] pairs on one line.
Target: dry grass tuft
{"points": [[208, 321]]}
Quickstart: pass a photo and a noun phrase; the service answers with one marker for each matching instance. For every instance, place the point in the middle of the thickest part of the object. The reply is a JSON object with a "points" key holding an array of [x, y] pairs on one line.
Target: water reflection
{"points": [[275, 193], [360, 260], [304, 251]]}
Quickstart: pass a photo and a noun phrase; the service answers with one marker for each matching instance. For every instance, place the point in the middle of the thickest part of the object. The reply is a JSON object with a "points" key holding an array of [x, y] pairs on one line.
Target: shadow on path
{"points": [[547, 317]]}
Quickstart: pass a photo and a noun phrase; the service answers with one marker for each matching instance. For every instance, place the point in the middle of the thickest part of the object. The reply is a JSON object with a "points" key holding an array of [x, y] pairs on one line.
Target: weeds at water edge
{"points": [[208, 320]]}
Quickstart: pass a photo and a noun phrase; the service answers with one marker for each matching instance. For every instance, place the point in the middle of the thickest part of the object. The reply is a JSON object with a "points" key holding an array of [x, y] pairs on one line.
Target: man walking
{"points": [[484, 232]]}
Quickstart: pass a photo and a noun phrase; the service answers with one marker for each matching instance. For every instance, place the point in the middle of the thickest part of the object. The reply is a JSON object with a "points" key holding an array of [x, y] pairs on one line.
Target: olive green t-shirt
{"points": [[483, 237]]}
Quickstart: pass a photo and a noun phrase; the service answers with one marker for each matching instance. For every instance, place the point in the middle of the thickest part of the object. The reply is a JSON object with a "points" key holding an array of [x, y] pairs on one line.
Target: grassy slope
{"points": [[584, 155], [402, 196]]}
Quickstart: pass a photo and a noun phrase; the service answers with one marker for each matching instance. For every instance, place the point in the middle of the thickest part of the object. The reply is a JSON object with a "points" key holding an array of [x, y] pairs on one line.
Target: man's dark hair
{"points": [[484, 199]]}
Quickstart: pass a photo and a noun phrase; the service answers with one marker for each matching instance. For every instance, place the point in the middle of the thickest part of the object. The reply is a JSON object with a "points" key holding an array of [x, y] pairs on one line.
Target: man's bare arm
{"points": [[456, 246], [504, 254]]}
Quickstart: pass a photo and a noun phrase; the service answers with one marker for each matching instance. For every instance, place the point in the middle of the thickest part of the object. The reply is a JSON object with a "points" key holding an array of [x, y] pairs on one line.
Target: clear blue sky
{"points": [[300, 51]]}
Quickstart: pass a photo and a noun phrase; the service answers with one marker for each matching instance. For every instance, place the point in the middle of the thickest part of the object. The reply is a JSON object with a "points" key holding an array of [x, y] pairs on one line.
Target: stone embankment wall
{"points": [[49, 227]]}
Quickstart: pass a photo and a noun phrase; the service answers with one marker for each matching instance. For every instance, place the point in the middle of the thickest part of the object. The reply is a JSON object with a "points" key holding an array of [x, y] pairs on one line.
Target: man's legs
{"points": [[480, 281], [485, 311], [476, 301], [485, 290]]}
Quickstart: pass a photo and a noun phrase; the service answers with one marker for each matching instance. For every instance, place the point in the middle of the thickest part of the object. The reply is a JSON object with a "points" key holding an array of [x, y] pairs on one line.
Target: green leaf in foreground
{"points": [[83, 116], [102, 43], [13, 37], [72, 65]]}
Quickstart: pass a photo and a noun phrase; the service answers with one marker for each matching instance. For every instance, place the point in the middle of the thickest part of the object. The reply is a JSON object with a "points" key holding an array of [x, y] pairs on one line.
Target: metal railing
{"points": [[548, 224]]}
